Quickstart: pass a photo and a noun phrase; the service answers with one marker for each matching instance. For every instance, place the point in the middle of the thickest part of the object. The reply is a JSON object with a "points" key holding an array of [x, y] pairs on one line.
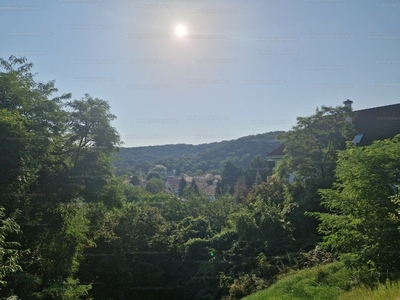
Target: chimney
{"points": [[347, 104]]}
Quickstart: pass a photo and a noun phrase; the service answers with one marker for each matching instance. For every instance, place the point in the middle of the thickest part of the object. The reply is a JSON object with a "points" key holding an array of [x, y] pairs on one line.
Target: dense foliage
{"points": [[363, 224], [55, 157], [201, 158], [311, 149], [71, 229]]}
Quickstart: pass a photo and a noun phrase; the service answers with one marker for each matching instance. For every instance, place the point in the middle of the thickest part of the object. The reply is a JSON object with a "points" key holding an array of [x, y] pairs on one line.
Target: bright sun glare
{"points": [[180, 30]]}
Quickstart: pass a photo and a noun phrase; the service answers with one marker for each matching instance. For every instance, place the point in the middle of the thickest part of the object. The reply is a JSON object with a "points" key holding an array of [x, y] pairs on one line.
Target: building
{"points": [[173, 184], [377, 123]]}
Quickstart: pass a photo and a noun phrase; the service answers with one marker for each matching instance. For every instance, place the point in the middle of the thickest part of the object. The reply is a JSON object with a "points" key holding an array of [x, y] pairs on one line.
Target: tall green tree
{"points": [[362, 225], [90, 142], [230, 176], [32, 122], [16, 159], [311, 145], [32, 99], [257, 166], [182, 186], [90, 126], [194, 188], [310, 154], [56, 157]]}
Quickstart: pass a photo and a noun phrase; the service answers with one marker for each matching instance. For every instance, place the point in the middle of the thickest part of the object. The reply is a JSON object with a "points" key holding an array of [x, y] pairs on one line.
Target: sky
{"points": [[235, 68]]}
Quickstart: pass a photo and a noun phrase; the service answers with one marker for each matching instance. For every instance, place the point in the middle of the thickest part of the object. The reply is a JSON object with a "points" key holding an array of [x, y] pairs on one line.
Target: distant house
{"points": [[187, 178], [209, 190], [218, 177], [377, 123], [276, 155], [173, 184], [208, 176], [199, 178], [171, 173], [201, 185]]}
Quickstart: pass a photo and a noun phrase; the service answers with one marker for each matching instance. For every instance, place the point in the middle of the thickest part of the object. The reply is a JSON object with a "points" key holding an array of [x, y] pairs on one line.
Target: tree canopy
{"points": [[71, 229], [362, 225]]}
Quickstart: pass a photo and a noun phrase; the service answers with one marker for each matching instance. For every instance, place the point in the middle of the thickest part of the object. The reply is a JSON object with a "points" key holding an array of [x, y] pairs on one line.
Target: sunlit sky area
{"points": [[202, 71]]}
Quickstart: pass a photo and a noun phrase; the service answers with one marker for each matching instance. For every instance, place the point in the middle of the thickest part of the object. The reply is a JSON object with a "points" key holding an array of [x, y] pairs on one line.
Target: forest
{"points": [[70, 228], [201, 158]]}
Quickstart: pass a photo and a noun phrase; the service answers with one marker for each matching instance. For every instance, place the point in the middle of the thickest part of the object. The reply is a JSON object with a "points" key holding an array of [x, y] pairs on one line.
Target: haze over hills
{"points": [[204, 157]]}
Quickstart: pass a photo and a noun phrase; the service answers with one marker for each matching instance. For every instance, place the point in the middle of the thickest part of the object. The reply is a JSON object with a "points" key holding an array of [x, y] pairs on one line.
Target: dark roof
{"points": [[277, 151], [173, 182], [377, 123]]}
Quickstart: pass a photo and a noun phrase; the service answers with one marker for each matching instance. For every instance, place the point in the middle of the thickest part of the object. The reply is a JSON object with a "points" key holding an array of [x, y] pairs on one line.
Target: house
{"points": [[276, 155], [187, 178], [218, 177], [173, 184], [209, 190], [199, 178], [208, 176], [371, 124], [171, 173], [201, 185], [377, 123]]}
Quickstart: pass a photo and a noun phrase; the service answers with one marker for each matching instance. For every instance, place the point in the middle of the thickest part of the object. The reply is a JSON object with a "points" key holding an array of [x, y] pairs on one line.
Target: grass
{"points": [[328, 282], [389, 291]]}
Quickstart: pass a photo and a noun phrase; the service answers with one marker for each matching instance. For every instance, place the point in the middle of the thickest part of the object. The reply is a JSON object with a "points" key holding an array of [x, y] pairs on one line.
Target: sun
{"points": [[181, 30]]}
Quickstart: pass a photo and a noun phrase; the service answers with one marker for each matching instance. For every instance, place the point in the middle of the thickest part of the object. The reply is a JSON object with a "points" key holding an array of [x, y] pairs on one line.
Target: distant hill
{"points": [[204, 157]]}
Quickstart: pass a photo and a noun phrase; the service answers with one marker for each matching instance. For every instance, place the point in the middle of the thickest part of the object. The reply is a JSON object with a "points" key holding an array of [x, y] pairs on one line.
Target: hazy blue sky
{"points": [[244, 67]]}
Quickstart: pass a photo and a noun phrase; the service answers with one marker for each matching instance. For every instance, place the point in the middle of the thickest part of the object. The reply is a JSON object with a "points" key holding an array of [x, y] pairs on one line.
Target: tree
{"points": [[49, 269], [219, 210], [155, 185], [262, 228], [90, 142], [362, 224], [258, 179], [113, 193], [90, 123], [60, 161], [130, 259], [20, 92], [160, 169], [194, 188], [240, 191], [135, 180], [153, 175], [16, 159], [311, 146], [257, 166], [9, 253], [132, 192], [230, 176], [182, 186], [272, 190], [311, 153], [31, 124]]}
